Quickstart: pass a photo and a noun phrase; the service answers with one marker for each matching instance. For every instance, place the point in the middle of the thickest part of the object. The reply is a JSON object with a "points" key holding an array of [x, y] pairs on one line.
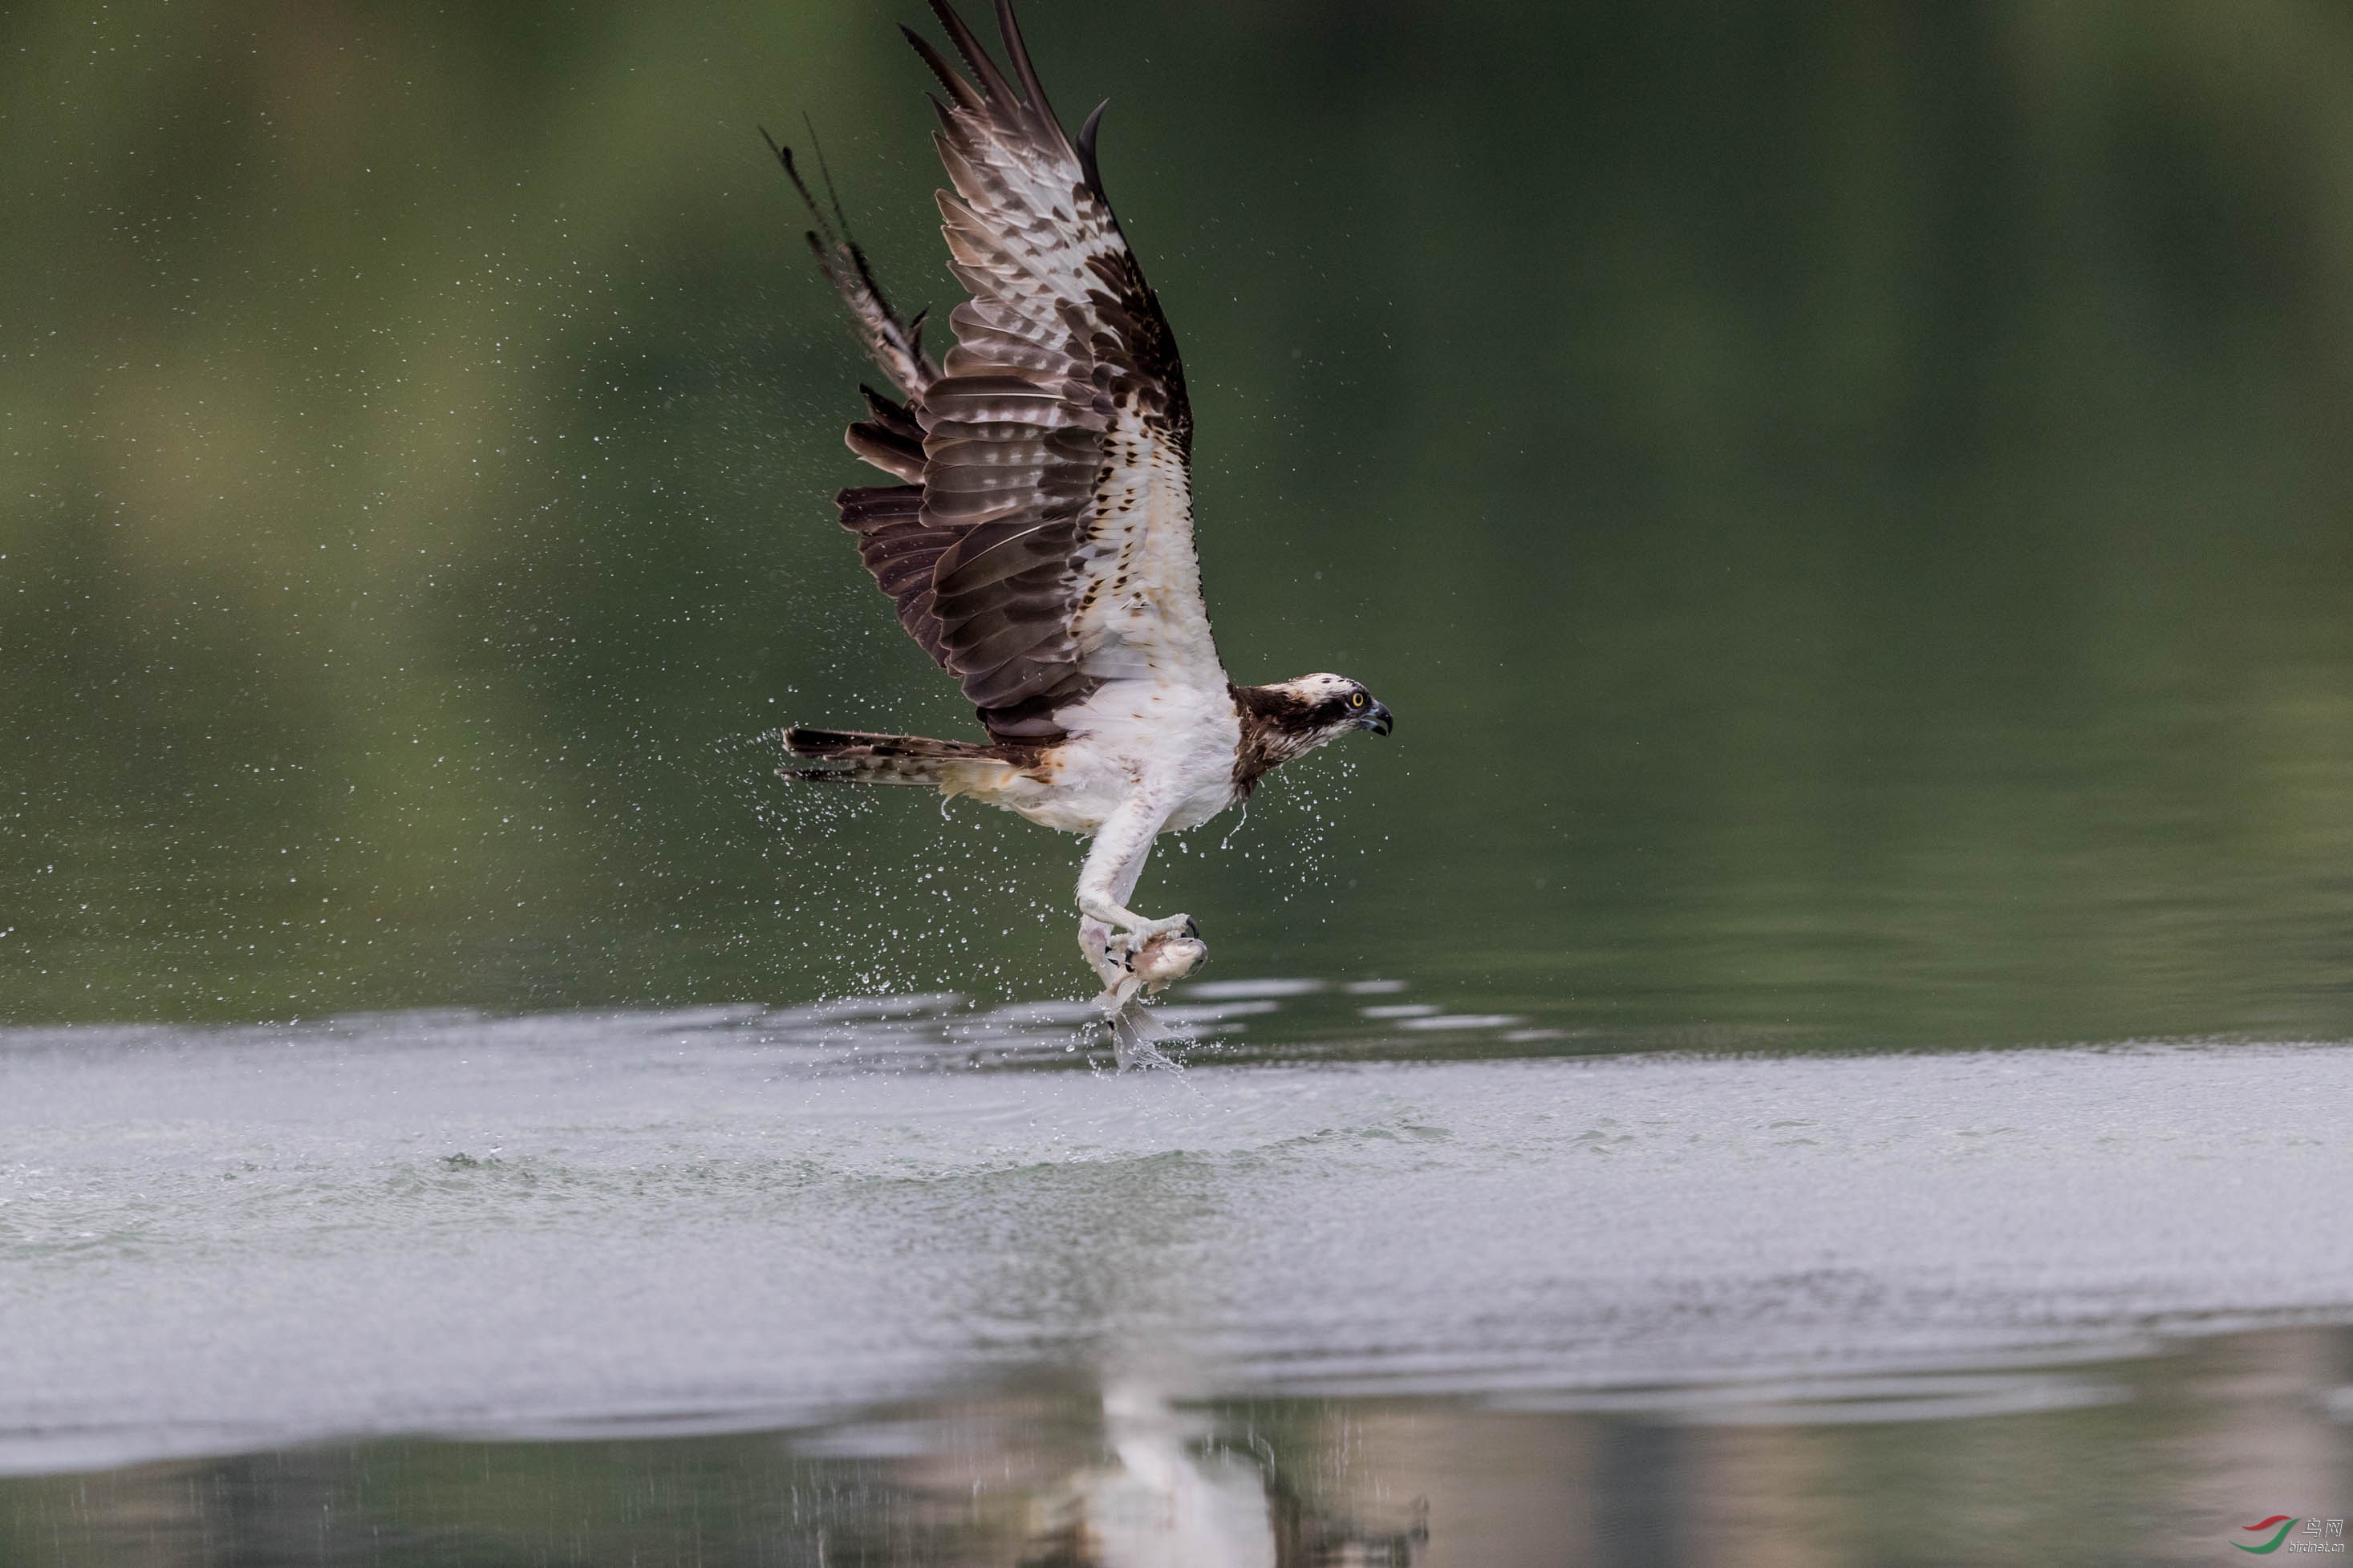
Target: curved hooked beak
{"points": [[1375, 718]]}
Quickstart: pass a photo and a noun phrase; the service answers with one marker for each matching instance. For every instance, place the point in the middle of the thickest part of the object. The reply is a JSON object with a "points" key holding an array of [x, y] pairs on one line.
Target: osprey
{"points": [[1039, 543]]}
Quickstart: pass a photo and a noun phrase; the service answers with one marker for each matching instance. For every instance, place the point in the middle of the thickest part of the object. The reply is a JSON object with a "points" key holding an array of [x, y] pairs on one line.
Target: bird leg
{"points": [[1113, 937], [1094, 940], [1133, 956]]}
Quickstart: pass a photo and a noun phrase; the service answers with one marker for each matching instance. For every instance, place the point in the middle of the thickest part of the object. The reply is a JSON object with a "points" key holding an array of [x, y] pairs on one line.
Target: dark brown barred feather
{"points": [[887, 450], [1032, 718], [902, 553], [893, 415]]}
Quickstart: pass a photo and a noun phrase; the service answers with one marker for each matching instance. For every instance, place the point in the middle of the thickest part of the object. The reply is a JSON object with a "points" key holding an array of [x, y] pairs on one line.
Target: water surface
{"points": [[858, 1228]]}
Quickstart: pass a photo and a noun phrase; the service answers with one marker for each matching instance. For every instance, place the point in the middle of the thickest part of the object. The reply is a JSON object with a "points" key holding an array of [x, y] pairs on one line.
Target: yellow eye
{"points": [[1356, 700]]}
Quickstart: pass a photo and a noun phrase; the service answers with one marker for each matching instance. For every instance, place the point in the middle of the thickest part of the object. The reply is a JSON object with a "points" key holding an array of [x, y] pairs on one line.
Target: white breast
{"points": [[1175, 742]]}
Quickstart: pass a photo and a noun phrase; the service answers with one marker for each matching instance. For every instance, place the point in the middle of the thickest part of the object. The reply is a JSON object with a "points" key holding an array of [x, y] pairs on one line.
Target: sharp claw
{"points": [[1192, 928]]}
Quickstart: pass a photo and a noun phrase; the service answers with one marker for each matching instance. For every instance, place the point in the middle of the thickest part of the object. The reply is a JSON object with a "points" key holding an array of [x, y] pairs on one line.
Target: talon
{"points": [[1192, 928]]}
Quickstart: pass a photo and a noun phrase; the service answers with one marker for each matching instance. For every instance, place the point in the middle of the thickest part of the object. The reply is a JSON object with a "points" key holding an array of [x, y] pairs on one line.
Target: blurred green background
{"points": [[1850, 505]]}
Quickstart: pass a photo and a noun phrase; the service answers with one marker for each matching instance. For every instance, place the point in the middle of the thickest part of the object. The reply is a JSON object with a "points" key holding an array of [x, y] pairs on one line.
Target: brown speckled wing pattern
{"points": [[1054, 508]]}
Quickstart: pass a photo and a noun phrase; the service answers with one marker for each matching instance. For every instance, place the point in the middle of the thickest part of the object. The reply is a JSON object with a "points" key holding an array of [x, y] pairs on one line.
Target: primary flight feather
{"points": [[1040, 543]]}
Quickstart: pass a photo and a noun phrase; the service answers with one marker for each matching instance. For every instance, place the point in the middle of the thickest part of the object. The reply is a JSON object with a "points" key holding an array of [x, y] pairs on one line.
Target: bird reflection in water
{"points": [[1169, 1500]]}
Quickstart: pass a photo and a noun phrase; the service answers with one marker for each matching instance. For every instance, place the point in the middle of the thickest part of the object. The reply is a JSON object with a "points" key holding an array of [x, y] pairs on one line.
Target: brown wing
{"points": [[1053, 504]]}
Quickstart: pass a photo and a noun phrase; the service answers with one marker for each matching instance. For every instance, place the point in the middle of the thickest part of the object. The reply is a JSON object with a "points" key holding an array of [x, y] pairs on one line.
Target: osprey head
{"points": [[1332, 705], [1291, 718]]}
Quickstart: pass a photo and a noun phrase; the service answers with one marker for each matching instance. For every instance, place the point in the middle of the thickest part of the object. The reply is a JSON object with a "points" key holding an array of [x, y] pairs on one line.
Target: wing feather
{"points": [[1054, 508]]}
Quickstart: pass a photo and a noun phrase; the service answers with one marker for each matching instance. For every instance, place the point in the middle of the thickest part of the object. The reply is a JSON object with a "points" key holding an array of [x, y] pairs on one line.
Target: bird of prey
{"points": [[1039, 538]]}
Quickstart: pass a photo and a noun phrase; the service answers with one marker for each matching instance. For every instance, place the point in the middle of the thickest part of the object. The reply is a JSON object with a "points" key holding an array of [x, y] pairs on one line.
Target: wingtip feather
{"points": [[1086, 151], [954, 86], [967, 43], [1018, 51]]}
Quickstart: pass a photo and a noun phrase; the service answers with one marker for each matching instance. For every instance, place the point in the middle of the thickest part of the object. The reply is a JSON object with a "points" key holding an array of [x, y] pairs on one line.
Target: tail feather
{"points": [[871, 770], [862, 757], [804, 742]]}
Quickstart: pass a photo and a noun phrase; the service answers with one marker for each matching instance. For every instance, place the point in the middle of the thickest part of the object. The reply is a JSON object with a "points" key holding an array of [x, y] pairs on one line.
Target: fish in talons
{"points": [[1146, 970]]}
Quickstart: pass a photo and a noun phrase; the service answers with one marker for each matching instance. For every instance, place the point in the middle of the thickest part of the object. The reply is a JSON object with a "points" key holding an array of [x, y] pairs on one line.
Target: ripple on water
{"points": [[246, 1236]]}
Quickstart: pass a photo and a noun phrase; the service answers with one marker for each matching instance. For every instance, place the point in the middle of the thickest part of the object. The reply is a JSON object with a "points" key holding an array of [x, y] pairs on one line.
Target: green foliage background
{"points": [[1851, 507]]}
